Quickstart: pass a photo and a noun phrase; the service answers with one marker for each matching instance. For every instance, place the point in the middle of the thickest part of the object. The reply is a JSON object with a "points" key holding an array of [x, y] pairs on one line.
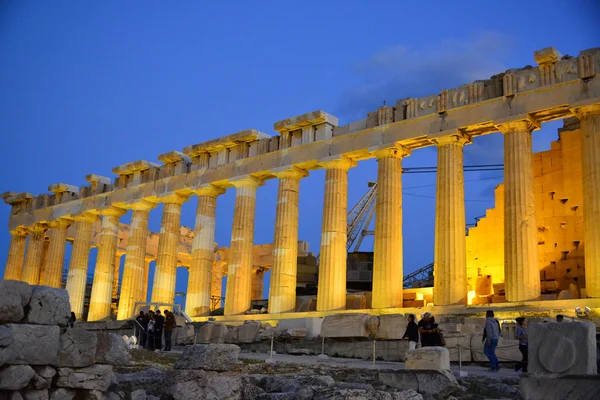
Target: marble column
{"points": [[163, 288], [331, 294], [33, 257], [239, 278], [197, 301], [44, 260], [258, 284], [216, 285], [116, 274], [590, 170], [80, 254], [101, 298], [133, 274], [16, 254], [521, 266], [282, 292], [55, 257], [143, 296], [450, 254], [387, 257]]}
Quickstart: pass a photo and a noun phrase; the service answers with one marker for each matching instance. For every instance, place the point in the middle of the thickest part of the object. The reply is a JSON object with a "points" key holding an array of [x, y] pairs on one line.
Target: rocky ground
{"points": [[153, 375]]}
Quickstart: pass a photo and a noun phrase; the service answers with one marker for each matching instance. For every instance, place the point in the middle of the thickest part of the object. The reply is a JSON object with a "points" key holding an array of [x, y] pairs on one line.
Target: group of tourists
{"points": [[427, 329], [153, 326]]}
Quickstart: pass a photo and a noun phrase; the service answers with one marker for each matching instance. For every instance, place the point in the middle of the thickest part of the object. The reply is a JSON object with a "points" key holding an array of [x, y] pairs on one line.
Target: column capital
{"points": [[396, 151], [458, 138], [86, 217], [247, 181], [175, 198], [142, 205], [38, 228], [209, 190], [60, 223], [338, 162], [112, 212], [19, 231], [290, 173], [585, 110], [525, 123]]}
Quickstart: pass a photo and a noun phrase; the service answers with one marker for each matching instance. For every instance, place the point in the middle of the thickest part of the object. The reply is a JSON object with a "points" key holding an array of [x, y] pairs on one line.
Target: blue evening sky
{"points": [[88, 85]]}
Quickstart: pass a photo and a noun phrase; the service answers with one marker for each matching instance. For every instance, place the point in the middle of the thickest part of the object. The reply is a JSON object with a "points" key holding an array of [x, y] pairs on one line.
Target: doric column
{"points": [[143, 294], [102, 287], [33, 257], [282, 292], [387, 257], [590, 171], [163, 288], [80, 255], [133, 274], [115, 282], [16, 254], [55, 257], [521, 267], [450, 258], [197, 301], [258, 284], [239, 278], [216, 285], [44, 260], [331, 294]]}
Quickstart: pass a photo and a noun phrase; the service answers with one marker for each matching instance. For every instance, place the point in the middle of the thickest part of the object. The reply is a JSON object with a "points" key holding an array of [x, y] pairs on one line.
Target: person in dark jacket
{"points": [[158, 330], [72, 320], [169, 326], [521, 335], [142, 327], [428, 331], [491, 335], [412, 333]]}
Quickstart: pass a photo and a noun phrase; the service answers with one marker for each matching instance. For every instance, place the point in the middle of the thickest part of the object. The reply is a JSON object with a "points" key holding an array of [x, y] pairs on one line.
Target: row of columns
{"points": [[520, 246]]}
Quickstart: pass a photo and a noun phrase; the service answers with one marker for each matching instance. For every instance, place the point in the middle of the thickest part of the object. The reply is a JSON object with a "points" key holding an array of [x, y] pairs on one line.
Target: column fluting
{"points": [[16, 254], [34, 254], [55, 257]]}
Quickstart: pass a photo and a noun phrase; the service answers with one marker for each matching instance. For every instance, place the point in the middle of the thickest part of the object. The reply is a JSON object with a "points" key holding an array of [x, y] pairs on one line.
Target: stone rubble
{"points": [[214, 357]]}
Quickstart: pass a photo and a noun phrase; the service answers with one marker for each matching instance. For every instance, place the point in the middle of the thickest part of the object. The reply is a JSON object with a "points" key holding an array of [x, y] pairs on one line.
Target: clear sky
{"points": [[88, 85]]}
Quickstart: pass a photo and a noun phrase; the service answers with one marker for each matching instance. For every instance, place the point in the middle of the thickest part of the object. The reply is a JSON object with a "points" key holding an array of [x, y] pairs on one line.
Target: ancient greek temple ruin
{"points": [[515, 103]]}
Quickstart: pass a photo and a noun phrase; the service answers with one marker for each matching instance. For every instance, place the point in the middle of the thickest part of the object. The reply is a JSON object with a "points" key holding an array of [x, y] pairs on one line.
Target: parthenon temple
{"points": [[544, 231]]}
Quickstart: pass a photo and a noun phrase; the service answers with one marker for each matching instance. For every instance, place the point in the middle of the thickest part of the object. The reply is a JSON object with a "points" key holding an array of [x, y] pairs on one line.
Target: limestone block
{"points": [[345, 325], [547, 387], [391, 326], [111, 349], [212, 357], [432, 358], [139, 394], [95, 377], [43, 377], [15, 377], [35, 344], [7, 351], [36, 394], [212, 333], [77, 348], [297, 333], [232, 335], [247, 332], [62, 394], [433, 384], [566, 348], [184, 334], [49, 306], [452, 342], [15, 296]]}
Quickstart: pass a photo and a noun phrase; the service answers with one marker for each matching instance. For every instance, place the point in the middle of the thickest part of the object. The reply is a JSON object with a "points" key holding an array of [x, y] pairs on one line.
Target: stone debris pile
{"points": [[41, 358]]}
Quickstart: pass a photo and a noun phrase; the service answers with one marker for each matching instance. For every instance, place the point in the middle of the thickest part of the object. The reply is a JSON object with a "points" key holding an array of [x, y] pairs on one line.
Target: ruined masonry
{"points": [[515, 103]]}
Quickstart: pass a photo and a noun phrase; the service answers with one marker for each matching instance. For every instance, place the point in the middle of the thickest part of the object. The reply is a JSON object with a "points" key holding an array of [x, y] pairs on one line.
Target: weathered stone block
{"points": [[184, 334], [77, 348], [212, 333], [432, 358], [43, 377], [214, 357], [345, 325], [391, 326], [567, 348], [15, 296], [112, 349], [36, 394], [49, 306], [15, 377], [7, 352], [34, 344], [556, 387], [62, 394], [436, 384], [95, 377], [247, 332]]}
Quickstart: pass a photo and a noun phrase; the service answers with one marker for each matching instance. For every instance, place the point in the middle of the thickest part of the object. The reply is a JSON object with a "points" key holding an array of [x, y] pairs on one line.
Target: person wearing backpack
{"points": [[491, 335]]}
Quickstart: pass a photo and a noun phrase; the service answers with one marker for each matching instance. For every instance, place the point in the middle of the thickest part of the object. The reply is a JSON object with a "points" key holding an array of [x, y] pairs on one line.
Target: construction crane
{"points": [[359, 218]]}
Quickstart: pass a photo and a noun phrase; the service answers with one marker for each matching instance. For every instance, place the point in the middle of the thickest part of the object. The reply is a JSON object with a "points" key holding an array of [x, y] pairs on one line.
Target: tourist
{"points": [[150, 330], [491, 334], [159, 324], [169, 325], [72, 320], [560, 318], [521, 335], [412, 333], [140, 326], [427, 330]]}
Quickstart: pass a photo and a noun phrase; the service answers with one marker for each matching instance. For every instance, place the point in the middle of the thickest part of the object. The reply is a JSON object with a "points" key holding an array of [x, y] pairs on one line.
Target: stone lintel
{"points": [[63, 187], [548, 55], [95, 179], [133, 167], [249, 135], [14, 198], [523, 121], [173, 157], [308, 119]]}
